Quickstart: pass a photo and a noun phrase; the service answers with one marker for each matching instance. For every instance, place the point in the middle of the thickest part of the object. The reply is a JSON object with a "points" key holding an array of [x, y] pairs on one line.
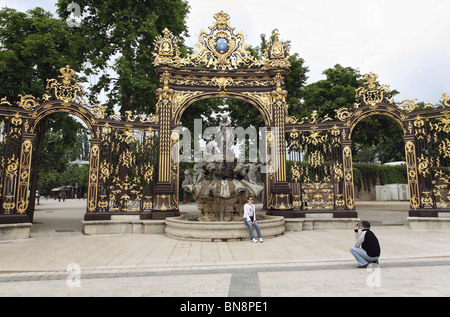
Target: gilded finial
{"points": [[371, 80], [67, 74], [166, 32], [276, 34], [68, 89], [221, 20]]}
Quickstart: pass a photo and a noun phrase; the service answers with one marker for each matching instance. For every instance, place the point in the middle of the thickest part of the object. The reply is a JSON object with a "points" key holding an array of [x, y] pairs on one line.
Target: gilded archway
{"points": [[123, 153], [323, 173], [220, 67]]}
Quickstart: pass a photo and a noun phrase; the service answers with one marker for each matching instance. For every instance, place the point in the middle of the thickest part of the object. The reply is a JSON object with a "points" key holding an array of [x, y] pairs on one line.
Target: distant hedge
{"points": [[365, 175]]}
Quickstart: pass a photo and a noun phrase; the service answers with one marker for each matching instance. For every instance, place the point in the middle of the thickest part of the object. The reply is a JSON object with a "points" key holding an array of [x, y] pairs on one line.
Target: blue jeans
{"points": [[250, 229], [361, 256]]}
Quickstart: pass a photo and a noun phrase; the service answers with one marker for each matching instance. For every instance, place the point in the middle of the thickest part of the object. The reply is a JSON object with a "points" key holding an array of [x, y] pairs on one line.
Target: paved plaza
{"points": [[58, 260]]}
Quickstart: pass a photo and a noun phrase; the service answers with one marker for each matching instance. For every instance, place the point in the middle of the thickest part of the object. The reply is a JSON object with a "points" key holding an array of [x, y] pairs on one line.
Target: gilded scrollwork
{"points": [[126, 170], [445, 100], [419, 127], [295, 172], [27, 102], [220, 48], [276, 55], [222, 82], [423, 165], [349, 191], [444, 148], [373, 92], [412, 173], [166, 51], [11, 167], [4, 101], [24, 176], [98, 111], [67, 90], [410, 105], [264, 99], [342, 114], [94, 165]]}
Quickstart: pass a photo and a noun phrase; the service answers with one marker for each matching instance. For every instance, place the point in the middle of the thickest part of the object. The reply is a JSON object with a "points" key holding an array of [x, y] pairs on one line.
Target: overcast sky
{"points": [[406, 42]]}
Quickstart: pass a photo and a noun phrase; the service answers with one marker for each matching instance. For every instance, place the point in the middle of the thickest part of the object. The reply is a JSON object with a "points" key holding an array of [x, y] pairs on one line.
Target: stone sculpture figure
{"points": [[227, 138], [211, 150], [187, 179], [212, 169], [240, 170], [254, 175], [199, 173], [221, 187]]}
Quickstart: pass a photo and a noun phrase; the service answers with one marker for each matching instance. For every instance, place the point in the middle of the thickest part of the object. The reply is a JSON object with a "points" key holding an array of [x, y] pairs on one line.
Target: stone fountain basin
{"points": [[183, 229]]}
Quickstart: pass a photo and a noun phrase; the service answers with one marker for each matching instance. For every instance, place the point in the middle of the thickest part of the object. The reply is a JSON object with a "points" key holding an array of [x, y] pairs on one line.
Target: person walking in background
{"points": [[367, 248], [250, 220]]}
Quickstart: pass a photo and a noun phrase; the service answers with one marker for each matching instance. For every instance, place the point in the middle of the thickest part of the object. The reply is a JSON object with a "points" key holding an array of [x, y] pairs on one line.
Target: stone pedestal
{"points": [[15, 231], [179, 228]]}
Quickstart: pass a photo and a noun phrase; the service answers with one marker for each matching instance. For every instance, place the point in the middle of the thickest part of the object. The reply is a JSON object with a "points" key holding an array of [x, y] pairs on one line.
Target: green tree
{"points": [[33, 46], [375, 139], [72, 175], [378, 139], [335, 91], [120, 35], [203, 109], [82, 146], [59, 142]]}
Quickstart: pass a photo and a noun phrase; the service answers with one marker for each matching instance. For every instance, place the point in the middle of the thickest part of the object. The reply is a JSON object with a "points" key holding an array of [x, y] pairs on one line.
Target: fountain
{"points": [[220, 188], [221, 195]]}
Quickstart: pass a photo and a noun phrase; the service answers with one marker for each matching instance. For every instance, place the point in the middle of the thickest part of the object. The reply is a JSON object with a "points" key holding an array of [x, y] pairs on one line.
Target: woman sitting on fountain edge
{"points": [[250, 220]]}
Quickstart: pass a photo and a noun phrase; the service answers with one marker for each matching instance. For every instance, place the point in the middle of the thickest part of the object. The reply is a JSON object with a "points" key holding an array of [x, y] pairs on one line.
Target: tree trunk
{"points": [[35, 162]]}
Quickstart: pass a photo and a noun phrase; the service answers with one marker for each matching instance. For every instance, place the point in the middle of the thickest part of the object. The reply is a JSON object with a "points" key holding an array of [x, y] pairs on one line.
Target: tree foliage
{"points": [[33, 47], [366, 176], [327, 95], [120, 36], [378, 139], [73, 175]]}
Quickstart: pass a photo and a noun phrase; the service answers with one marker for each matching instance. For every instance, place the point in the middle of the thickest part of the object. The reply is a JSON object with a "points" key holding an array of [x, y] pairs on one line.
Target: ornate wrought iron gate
{"points": [[131, 164], [316, 173], [428, 156], [123, 155], [14, 166], [320, 157]]}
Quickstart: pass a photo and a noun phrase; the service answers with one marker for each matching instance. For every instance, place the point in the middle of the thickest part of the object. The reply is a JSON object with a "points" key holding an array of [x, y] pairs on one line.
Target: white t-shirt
{"points": [[249, 212]]}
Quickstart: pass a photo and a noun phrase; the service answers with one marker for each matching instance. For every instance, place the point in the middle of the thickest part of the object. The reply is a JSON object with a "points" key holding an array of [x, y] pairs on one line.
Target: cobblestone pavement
{"points": [[63, 262]]}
